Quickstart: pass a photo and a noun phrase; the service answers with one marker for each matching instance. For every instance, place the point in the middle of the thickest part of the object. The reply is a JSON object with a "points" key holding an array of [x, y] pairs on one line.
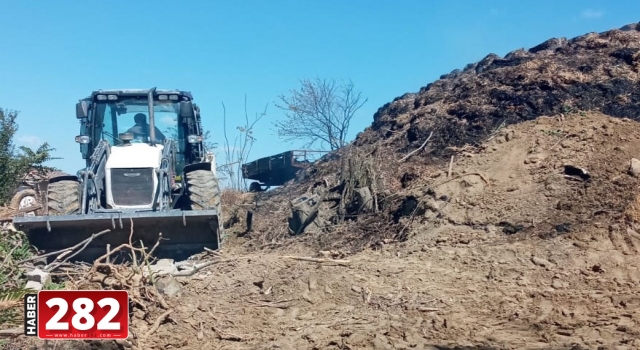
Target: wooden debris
{"points": [[9, 217], [317, 260], [157, 323], [418, 149]]}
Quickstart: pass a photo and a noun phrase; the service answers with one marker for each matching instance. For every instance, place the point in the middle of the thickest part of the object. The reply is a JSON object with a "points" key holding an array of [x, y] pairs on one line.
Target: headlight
{"points": [[194, 138], [83, 139]]}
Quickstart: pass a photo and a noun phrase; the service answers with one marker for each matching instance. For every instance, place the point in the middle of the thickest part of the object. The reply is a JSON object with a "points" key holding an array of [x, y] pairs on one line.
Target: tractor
{"points": [[148, 178]]}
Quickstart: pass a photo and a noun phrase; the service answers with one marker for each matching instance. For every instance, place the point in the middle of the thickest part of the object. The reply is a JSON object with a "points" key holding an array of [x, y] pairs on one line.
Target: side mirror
{"points": [[82, 110], [186, 111], [197, 111]]}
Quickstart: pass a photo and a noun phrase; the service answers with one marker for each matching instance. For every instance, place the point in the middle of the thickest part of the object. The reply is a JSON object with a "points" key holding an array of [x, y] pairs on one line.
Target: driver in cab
{"points": [[141, 129]]}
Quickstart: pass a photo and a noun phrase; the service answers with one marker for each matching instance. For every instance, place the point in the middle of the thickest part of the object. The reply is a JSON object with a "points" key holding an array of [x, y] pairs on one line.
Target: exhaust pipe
{"points": [[152, 121]]}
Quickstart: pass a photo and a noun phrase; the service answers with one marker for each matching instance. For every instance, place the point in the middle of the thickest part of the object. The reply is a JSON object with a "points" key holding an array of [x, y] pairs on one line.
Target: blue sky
{"points": [[56, 52]]}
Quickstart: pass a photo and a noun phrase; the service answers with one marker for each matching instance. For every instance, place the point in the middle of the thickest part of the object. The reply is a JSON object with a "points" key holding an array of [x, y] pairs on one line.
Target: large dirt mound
{"points": [[526, 238], [589, 72], [401, 161]]}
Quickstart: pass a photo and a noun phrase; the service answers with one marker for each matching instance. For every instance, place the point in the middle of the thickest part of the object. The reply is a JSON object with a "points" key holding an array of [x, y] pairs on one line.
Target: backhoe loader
{"points": [[147, 172]]}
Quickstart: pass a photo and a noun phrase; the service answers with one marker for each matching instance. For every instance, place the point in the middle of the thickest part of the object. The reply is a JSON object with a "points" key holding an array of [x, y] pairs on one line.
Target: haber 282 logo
{"points": [[77, 314]]}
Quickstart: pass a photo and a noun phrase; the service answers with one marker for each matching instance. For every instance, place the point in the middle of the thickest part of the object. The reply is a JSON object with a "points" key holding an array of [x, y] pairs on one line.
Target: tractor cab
{"points": [[142, 119]]}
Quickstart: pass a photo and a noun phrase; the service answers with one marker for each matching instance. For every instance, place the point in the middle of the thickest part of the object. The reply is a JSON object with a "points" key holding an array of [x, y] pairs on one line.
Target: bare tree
{"points": [[237, 153], [320, 111]]}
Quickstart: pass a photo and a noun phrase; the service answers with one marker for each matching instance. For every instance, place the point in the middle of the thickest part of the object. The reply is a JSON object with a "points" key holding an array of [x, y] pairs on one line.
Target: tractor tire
{"points": [[255, 187], [204, 193], [24, 199], [203, 189], [64, 197]]}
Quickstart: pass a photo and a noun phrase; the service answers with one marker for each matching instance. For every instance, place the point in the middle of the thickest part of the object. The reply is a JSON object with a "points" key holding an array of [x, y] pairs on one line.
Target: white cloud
{"points": [[29, 141], [591, 14]]}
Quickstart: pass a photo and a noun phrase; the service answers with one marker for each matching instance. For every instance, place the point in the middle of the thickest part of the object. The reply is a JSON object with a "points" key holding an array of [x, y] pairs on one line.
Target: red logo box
{"points": [[83, 314]]}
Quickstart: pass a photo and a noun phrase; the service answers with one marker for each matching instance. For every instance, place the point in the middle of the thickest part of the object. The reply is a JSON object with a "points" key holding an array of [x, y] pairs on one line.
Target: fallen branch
{"points": [[428, 309], [450, 167], [133, 253], [118, 248], [226, 336], [195, 269], [66, 250], [8, 256], [282, 304], [416, 150], [461, 176], [153, 249], [86, 242], [12, 331], [213, 252], [157, 323], [317, 260], [9, 217]]}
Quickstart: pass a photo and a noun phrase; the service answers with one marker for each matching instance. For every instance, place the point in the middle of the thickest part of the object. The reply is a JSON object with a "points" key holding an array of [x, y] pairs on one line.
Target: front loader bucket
{"points": [[184, 233]]}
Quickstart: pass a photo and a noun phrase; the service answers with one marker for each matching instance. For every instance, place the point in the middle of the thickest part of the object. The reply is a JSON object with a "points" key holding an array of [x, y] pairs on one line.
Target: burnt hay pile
{"points": [[592, 72]]}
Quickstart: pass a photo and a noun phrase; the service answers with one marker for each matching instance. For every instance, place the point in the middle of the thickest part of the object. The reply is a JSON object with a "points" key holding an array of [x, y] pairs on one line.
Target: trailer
{"points": [[277, 169]]}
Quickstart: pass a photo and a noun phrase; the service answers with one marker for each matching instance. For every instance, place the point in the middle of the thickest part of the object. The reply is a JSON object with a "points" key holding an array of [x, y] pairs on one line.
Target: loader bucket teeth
{"points": [[184, 233]]}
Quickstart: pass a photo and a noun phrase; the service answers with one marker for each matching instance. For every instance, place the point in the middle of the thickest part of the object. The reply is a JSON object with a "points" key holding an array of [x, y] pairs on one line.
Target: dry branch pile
{"points": [[145, 284]]}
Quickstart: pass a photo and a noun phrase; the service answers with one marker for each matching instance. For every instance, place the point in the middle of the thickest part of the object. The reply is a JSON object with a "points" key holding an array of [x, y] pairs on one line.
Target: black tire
{"points": [[203, 190], [255, 187], [64, 197], [204, 193], [18, 197]]}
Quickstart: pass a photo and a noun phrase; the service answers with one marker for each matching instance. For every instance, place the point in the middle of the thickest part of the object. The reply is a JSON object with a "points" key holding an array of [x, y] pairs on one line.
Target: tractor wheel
{"points": [[204, 193], [64, 197], [203, 189], [24, 199], [255, 187]]}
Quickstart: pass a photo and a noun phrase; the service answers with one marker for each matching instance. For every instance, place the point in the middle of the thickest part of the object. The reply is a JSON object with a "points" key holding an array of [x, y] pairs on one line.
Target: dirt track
{"points": [[567, 279]]}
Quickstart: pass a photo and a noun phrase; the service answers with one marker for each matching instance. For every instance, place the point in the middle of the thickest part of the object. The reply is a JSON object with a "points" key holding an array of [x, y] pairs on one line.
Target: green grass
{"points": [[53, 286], [14, 247]]}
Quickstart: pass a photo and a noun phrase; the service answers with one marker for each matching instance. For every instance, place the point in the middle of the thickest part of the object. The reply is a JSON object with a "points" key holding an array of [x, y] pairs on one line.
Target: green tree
{"points": [[16, 162]]}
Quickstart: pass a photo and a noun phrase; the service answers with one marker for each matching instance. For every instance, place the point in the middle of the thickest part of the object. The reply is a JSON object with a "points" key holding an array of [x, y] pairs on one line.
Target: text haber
{"points": [[77, 314]]}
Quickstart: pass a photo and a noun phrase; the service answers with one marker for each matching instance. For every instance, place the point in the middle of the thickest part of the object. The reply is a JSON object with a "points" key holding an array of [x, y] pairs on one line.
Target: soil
{"points": [[568, 277], [527, 239], [563, 273]]}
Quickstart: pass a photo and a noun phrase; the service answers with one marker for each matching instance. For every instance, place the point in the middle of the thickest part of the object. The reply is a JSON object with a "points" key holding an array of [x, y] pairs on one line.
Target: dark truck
{"points": [[275, 170]]}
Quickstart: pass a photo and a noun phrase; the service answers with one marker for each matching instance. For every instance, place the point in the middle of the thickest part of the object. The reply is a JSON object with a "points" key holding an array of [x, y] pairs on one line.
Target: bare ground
{"points": [[519, 256], [517, 248]]}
